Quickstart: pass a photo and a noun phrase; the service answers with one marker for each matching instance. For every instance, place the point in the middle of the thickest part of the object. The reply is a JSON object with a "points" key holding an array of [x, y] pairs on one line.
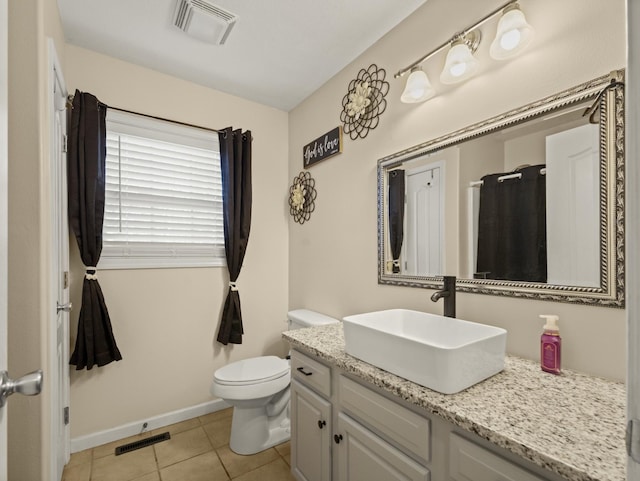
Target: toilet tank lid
{"points": [[310, 318]]}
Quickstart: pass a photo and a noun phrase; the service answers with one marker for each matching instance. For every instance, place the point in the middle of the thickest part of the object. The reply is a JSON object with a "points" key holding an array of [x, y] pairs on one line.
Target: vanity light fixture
{"points": [[513, 35], [418, 88]]}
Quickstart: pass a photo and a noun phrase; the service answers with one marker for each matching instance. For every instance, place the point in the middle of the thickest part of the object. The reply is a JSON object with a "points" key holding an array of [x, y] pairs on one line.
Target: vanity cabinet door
{"points": [[470, 462], [400, 425], [363, 456], [310, 435]]}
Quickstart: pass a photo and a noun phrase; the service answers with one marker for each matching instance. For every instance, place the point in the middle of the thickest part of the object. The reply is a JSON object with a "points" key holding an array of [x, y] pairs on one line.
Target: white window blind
{"points": [[163, 202]]}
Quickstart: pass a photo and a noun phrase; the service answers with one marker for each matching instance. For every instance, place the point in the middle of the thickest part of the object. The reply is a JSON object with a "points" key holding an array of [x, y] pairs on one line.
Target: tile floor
{"points": [[197, 451]]}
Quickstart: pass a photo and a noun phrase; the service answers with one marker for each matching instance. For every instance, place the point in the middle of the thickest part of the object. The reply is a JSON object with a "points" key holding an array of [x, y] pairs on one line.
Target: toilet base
{"points": [[253, 431]]}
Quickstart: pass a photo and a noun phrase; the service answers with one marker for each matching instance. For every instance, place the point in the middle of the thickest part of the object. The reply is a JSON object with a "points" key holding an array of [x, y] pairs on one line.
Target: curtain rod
{"points": [[186, 124], [502, 178]]}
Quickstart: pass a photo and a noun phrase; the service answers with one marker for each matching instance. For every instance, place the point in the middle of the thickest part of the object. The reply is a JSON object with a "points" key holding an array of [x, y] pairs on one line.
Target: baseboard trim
{"points": [[124, 431]]}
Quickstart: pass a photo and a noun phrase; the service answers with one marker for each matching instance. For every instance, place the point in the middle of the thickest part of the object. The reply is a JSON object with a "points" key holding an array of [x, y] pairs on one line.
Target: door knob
{"points": [[28, 385], [64, 307]]}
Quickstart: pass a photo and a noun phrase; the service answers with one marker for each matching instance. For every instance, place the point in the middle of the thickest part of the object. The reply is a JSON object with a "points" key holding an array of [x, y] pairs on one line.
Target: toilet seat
{"points": [[251, 378], [252, 371]]}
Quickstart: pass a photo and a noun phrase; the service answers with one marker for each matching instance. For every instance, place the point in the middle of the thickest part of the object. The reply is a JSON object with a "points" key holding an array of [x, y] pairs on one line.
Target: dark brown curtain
{"points": [[512, 233], [235, 163], [87, 150], [396, 215]]}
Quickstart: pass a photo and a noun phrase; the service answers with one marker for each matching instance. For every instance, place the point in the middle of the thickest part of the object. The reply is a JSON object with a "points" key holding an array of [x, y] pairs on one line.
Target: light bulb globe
{"points": [[459, 65], [418, 88], [513, 34]]}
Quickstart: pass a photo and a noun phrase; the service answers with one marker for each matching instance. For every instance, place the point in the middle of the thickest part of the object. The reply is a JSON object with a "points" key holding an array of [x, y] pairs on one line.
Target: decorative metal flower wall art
{"points": [[364, 102], [302, 196]]}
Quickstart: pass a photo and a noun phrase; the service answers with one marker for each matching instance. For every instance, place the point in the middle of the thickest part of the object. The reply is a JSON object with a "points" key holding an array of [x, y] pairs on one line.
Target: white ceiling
{"points": [[278, 53]]}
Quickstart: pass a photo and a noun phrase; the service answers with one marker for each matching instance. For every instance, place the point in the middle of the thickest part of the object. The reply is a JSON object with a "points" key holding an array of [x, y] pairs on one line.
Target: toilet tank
{"points": [[300, 318]]}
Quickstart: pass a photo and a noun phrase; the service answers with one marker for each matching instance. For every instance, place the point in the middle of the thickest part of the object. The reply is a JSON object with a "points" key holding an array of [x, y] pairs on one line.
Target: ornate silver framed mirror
{"points": [[527, 204]]}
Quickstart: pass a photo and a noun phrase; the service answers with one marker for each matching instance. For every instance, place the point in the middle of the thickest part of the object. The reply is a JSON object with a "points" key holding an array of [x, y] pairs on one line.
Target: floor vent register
{"points": [[143, 443]]}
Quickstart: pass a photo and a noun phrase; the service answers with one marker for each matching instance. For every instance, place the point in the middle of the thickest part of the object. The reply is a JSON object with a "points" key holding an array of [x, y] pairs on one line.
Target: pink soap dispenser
{"points": [[550, 345]]}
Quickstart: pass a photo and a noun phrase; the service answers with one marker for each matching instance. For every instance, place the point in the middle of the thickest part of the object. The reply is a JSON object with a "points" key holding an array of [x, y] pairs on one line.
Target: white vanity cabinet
{"points": [[345, 429]]}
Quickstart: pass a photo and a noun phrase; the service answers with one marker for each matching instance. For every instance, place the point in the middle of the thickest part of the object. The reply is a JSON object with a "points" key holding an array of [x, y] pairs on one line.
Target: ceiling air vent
{"points": [[204, 21]]}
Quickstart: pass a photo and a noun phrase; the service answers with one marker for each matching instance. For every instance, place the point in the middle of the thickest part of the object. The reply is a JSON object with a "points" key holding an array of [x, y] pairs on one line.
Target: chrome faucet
{"points": [[448, 292]]}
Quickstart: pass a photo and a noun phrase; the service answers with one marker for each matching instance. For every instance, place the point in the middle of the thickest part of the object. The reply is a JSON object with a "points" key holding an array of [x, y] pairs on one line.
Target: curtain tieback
{"points": [[91, 277], [233, 286]]}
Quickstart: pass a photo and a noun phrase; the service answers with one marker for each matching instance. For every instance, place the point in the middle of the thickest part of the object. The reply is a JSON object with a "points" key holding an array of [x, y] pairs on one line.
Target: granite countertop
{"points": [[572, 424]]}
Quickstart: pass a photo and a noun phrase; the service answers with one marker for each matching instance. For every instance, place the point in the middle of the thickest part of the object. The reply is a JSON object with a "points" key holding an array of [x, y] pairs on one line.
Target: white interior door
{"points": [[424, 218], [573, 222], [59, 337], [4, 67]]}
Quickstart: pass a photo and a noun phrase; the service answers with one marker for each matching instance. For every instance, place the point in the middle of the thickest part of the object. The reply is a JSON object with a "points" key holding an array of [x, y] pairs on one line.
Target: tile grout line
{"points": [[90, 466], [215, 450], [221, 463], [155, 456]]}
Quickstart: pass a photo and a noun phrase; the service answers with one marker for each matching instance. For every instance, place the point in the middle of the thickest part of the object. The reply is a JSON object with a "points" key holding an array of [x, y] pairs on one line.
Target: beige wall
{"points": [[31, 24], [332, 257], [165, 320]]}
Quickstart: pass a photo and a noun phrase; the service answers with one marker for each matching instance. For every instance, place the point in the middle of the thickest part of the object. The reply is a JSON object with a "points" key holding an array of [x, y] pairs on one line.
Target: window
{"points": [[163, 199]]}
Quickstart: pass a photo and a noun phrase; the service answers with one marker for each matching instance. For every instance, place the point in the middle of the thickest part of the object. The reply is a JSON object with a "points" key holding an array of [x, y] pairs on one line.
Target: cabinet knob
{"points": [[322, 424], [337, 438], [301, 369]]}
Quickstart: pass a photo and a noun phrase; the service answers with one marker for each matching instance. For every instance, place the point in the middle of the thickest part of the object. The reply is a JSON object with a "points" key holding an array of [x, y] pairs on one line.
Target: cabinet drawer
{"points": [[470, 462], [311, 373], [408, 429]]}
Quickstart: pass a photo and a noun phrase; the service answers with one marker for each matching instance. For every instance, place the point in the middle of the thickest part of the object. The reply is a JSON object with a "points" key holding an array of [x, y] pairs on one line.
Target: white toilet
{"points": [[258, 390]]}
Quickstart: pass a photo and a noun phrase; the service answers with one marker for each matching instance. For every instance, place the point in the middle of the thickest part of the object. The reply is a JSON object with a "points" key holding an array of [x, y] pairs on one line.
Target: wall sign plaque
{"points": [[322, 148]]}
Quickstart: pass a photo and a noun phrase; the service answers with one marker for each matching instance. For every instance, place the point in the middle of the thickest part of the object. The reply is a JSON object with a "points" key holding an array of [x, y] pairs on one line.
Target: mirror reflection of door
{"points": [[573, 249], [424, 220]]}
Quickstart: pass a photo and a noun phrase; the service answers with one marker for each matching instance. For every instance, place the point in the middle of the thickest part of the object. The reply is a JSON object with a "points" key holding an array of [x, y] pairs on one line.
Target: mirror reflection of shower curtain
{"points": [[512, 236], [396, 215]]}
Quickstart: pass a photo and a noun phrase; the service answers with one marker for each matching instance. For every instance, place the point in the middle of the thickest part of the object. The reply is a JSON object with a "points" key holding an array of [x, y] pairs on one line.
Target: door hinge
{"points": [[64, 144], [65, 415], [632, 436], [65, 280]]}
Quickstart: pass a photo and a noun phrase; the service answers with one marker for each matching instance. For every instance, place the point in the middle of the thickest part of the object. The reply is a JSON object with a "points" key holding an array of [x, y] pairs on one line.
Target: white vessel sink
{"points": [[441, 353]]}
